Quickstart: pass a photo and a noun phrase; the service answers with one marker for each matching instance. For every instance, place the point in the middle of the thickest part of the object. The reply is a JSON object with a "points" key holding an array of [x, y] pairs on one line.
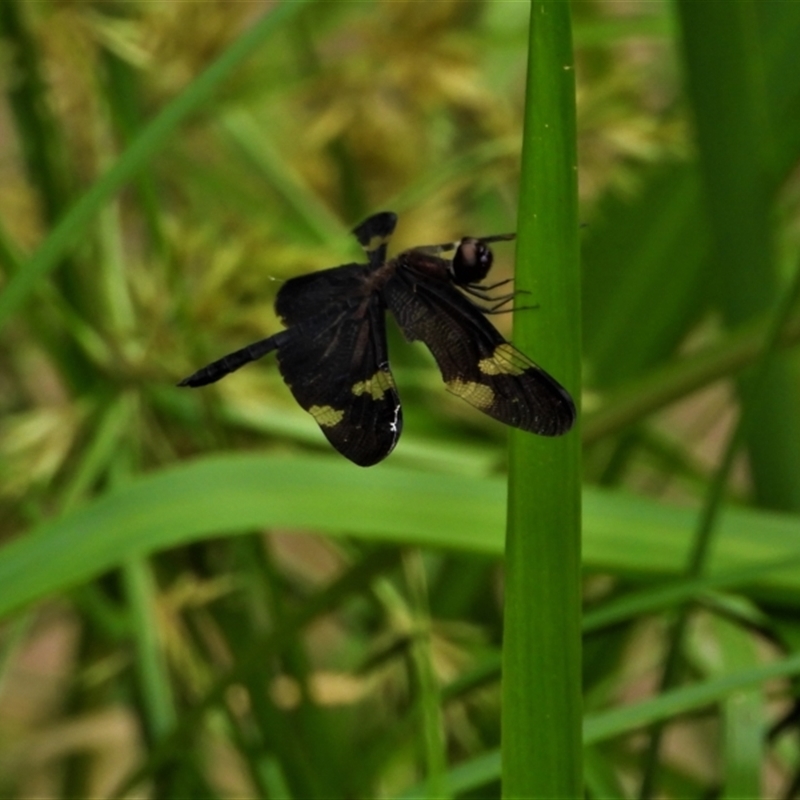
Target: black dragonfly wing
{"points": [[476, 362], [335, 364], [305, 296]]}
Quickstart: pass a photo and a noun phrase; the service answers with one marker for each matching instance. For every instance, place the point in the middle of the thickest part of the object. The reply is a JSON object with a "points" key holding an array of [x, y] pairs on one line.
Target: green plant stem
{"points": [[541, 721]]}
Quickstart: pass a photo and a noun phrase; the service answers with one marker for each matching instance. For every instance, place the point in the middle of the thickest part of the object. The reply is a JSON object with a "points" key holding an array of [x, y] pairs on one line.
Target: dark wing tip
{"points": [[369, 429], [568, 416], [379, 226], [561, 414], [368, 459]]}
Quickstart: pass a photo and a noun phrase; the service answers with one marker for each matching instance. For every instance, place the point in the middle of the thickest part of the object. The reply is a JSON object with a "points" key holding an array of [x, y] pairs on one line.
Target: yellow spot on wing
{"points": [[480, 395], [375, 242], [504, 361], [376, 386], [326, 416]]}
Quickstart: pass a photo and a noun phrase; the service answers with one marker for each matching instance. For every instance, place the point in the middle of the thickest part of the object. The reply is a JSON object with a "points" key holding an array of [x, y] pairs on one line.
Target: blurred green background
{"points": [[200, 598]]}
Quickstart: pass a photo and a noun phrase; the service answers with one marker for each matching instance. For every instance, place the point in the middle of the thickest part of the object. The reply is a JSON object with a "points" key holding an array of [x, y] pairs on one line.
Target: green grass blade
{"points": [[743, 711], [469, 776], [123, 95], [724, 48], [630, 536], [541, 647], [142, 149], [607, 724], [650, 601], [265, 160], [433, 740], [241, 493], [39, 136], [153, 675]]}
